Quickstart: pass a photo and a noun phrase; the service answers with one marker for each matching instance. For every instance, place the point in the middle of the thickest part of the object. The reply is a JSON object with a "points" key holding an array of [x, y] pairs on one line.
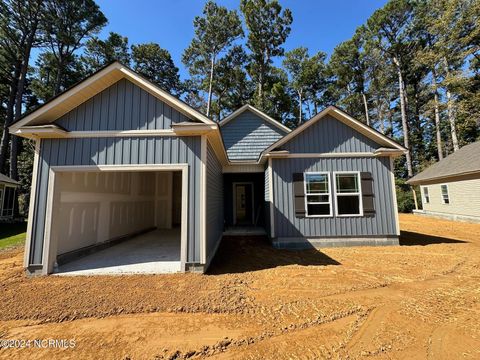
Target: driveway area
{"points": [[419, 300]]}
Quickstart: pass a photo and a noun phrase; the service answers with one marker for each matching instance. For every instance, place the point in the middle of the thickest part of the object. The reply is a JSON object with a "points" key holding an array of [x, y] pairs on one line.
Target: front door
{"points": [[243, 203]]}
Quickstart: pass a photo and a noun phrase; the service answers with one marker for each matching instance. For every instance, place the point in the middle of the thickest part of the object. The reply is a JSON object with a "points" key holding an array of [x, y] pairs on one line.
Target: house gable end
{"points": [[121, 106], [247, 135], [329, 135]]}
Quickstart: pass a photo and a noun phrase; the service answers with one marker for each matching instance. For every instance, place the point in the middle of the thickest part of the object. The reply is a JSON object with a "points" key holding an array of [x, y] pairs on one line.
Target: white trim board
{"points": [[394, 193], [256, 112], [47, 256], [270, 200], [33, 192]]}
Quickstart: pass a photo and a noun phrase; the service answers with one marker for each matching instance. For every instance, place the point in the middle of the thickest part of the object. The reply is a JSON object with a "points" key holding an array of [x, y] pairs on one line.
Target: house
{"points": [[450, 188], [8, 187], [118, 161]]}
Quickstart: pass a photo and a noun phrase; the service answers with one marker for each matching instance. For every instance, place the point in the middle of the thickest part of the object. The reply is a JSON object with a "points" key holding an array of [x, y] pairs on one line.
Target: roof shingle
{"points": [[464, 161]]}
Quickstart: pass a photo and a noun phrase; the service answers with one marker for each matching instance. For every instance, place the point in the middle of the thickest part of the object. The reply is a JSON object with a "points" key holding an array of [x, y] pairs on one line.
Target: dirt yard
{"points": [[420, 300]]}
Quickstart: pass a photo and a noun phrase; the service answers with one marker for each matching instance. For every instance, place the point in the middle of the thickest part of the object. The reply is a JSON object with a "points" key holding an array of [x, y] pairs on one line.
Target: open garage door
{"points": [[117, 222]]}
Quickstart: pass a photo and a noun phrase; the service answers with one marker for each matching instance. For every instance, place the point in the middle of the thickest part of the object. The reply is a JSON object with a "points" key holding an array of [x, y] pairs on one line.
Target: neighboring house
{"points": [[450, 188], [116, 157], [8, 187]]}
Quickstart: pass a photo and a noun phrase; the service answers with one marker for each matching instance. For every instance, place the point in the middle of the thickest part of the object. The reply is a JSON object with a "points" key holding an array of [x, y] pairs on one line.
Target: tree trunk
{"points": [[299, 108], [58, 78], [380, 117], [452, 121], [450, 111], [9, 117], [437, 117], [403, 109], [209, 101], [365, 105]]}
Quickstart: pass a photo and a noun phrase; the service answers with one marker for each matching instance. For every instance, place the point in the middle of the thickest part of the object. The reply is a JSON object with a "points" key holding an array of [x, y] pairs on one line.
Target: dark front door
{"points": [[243, 203]]}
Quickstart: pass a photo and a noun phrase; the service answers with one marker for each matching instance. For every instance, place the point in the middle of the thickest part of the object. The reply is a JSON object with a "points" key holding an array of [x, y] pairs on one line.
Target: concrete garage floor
{"points": [[156, 252]]}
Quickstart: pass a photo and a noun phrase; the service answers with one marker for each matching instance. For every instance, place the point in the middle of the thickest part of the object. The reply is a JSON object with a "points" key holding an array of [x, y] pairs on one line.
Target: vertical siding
{"points": [[119, 151], [329, 135], [287, 225], [267, 202], [121, 106], [246, 136], [464, 198], [214, 201]]}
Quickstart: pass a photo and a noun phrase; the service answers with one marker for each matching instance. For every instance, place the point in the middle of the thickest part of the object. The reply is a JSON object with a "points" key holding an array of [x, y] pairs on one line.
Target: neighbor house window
{"points": [[347, 194], [317, 194], [445, 197], [426, 197], [8, 201]]}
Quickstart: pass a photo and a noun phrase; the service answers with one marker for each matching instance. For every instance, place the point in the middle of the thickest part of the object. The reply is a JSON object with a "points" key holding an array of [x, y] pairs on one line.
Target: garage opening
{"points": [[116, 222]]}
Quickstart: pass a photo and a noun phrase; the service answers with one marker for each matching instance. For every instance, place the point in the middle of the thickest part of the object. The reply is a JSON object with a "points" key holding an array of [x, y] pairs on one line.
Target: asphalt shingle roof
{"points": [[464, 161]]}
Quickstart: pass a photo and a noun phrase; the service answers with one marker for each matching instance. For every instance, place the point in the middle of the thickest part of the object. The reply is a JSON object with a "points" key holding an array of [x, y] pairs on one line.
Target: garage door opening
{"points": [[116, 222]]}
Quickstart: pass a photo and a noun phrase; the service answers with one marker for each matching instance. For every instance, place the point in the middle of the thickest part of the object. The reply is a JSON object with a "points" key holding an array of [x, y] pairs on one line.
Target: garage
{"points": [[116, 220]]}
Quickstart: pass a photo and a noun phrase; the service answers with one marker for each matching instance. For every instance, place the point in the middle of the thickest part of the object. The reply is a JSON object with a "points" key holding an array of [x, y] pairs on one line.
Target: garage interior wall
{"points": [[94, 207]]}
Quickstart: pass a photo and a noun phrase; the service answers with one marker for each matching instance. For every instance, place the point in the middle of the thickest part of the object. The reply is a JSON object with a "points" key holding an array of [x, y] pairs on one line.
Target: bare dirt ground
{"points": [[420, 300]]}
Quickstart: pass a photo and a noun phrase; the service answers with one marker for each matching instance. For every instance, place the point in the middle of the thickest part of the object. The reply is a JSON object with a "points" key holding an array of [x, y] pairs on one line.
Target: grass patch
{"points": [[12, 234]]}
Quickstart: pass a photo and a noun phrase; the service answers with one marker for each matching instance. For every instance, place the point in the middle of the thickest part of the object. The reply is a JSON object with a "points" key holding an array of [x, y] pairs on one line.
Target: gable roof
{"points": [[342, 116], [6, 179], [257, 112], [465, 161], [92, 85]]}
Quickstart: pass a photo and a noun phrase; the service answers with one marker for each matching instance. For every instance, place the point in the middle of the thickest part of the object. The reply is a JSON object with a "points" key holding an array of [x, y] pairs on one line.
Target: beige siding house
{"points": [[451, 188]]}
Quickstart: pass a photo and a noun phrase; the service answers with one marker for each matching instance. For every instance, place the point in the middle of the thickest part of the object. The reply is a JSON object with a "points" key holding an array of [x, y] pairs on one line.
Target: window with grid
{"points": [[348, 194], [426, 197], [317, 194], [445, 197]]}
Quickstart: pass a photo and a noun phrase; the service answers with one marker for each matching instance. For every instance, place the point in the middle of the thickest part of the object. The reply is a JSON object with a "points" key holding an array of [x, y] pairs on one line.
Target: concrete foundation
{"points": [[156, 252], [308, 243]]}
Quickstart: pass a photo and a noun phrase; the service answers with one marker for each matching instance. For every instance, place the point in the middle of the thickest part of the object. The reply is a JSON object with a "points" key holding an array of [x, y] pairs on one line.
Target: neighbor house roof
{"points": [[465, 161], [348, 120], [6, 179], [257, 112], [82, 91]]}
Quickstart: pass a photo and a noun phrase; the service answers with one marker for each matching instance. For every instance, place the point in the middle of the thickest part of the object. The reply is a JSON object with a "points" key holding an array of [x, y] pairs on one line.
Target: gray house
{"points": [[127, 178], [450, 188]]}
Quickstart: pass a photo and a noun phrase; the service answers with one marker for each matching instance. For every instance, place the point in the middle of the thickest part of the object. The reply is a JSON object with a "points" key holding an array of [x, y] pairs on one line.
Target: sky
{"points": [[318, 25]]}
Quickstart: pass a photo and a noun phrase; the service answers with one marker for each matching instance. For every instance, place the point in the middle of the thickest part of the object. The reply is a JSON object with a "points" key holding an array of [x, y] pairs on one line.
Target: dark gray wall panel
{"points": [[119, 151], [247, 135], [329, 135], [122, 106], [214, 201], [287, 225]]}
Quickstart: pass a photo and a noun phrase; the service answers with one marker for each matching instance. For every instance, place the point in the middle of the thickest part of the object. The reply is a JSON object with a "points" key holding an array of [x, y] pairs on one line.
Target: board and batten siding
{"points": [[464, 198], [329, 135], [267, 202], [118, 151], [214, 216], [121, 106], [247, 135], [383, 223]]}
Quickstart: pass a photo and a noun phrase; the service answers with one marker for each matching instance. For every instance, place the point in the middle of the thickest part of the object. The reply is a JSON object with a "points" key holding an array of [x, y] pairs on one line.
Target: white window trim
{"points": [[359, 194], [425, 200], [448, 194], [329, 193]]}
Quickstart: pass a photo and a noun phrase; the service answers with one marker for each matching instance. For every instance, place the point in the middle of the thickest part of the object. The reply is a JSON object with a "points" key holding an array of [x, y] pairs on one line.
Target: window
{"points": [[317, 194], [347, 194], [8, 201], [426, 197], [445, 197]]}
